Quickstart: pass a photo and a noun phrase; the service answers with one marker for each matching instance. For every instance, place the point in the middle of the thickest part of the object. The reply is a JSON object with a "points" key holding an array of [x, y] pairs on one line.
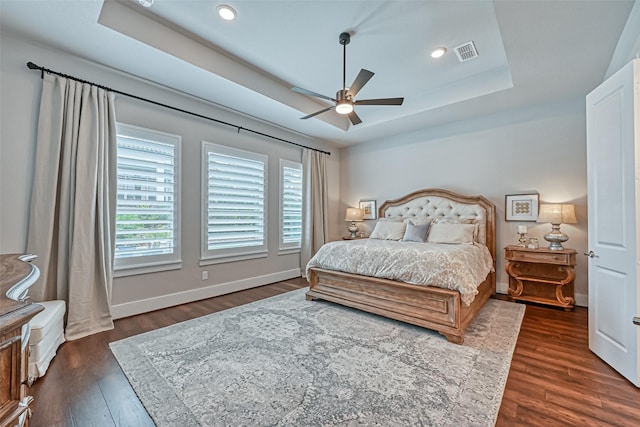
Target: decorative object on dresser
{"points": [[522, 231], [16, 277], [445, 310], [543, 275], [354, 215], [368, 209], [289, 362], [521, 207], [557, 214]]}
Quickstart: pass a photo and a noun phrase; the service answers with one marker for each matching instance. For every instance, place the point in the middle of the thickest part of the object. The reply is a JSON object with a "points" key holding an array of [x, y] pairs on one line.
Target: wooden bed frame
{"points": [[427, 306]]}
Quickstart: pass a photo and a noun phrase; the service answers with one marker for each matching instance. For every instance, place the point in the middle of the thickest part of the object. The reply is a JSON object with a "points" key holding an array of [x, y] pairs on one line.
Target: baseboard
{"points": [[502, 288], [132, 308]]}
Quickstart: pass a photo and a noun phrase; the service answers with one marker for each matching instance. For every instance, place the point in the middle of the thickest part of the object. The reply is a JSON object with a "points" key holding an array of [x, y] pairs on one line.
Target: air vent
{"points": [[466, 52]]}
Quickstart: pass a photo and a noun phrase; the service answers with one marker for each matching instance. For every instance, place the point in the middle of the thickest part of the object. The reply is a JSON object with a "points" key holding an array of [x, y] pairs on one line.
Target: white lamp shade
{"points": [[557, 213], [353, 214]]}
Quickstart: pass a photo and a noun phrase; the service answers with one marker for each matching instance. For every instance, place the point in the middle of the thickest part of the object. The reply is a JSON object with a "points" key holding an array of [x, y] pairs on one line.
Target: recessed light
{"points": [[226, 12], [146, 3], [437, 53]]}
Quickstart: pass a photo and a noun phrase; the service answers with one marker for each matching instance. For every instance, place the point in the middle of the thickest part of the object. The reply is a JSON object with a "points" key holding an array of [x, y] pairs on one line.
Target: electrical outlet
{"points": [[205, 275]]}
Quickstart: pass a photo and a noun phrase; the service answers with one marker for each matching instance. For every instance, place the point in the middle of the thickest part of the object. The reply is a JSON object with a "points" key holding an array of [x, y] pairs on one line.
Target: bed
{"points": [[439, 309]]}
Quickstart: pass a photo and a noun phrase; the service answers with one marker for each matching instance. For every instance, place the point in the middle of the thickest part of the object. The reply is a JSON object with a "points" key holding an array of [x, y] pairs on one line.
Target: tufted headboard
{"points": [[443, 204]]}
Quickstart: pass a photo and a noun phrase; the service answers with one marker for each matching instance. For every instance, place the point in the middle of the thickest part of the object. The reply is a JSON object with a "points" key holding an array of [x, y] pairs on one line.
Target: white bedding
{"points": [[457, 267]]}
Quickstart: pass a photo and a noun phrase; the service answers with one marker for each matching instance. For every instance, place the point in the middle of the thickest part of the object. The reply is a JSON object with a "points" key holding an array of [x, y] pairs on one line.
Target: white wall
{"points": [[541, 149], [21, 90], [628, 46]]}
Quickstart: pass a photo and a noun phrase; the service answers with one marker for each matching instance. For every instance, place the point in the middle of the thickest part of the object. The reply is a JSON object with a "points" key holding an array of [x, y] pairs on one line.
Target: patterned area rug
{"points": [[285, 361]]}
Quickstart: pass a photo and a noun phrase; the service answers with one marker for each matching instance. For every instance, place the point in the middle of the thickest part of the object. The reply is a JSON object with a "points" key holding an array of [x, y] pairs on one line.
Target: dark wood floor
{"points": [[554, 379]]}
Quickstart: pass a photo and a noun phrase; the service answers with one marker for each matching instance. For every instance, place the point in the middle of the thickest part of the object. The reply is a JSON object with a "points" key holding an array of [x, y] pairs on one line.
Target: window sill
{"points": [[288, 251], [134, 270], [221, 259]]}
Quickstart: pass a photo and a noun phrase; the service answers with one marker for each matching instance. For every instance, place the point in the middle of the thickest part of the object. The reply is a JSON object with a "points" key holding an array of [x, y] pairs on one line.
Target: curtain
{"points": [[72, 215], [315, 230]]}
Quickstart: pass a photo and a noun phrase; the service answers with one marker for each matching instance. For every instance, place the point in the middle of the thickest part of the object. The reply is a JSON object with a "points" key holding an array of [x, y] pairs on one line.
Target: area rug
{"points": [[285, 361]]}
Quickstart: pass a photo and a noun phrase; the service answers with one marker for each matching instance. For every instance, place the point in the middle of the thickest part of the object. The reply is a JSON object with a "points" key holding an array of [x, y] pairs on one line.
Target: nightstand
{"points": [[352, 238], [541, 275]]}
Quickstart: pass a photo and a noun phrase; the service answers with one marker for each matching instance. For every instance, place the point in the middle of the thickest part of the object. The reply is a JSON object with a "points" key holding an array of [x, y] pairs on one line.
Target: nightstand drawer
{"points": [[543, 257]]}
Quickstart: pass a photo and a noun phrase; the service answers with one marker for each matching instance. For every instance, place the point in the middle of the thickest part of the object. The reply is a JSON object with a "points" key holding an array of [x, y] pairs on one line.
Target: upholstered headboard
{"points": [[435, 203]]}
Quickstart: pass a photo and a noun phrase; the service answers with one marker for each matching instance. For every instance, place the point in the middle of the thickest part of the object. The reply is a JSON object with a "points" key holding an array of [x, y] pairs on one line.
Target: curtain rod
{"points": [[43, 70]]}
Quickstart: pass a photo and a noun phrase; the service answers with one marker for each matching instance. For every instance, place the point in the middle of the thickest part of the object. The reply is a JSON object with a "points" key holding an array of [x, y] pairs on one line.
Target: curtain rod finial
{"points": [[32, 66]]}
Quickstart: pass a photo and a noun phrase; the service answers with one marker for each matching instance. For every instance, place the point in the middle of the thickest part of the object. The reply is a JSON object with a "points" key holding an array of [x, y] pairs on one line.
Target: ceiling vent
{"points": [[466, 52]]}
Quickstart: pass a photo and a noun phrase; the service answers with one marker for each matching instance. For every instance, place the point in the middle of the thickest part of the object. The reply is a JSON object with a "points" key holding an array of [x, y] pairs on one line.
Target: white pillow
{"points": [[456, 221], [388, 230], [451, 233]]}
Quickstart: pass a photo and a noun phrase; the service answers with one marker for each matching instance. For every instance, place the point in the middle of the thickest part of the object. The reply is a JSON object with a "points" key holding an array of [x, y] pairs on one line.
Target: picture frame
{"points": [[521, 207], [369, 210]]}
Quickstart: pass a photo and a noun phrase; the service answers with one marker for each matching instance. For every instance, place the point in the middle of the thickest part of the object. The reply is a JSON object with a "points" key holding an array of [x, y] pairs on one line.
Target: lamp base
{"points": [[556, 238], [353, 229]]}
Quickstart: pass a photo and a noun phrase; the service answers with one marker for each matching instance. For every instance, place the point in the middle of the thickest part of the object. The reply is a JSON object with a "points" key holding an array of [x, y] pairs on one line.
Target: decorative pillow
{"points": [[416, 232], [451, 233], [388, 230]]}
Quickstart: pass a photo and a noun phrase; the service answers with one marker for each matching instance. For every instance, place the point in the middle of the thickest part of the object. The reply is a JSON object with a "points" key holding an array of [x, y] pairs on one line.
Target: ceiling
{"points": [[529, 53]]}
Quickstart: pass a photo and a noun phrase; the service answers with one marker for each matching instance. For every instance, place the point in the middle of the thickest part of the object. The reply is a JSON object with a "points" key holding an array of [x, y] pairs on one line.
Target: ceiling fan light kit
{"points": [[344, 100], [344, 108]]}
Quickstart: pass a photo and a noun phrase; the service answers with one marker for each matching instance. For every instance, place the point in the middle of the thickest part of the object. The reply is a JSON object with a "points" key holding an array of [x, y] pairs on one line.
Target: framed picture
{"points": [[369, 209], [521, 207]]}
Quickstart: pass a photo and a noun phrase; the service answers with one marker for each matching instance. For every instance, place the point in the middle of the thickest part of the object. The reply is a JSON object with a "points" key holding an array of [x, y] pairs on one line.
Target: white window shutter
{"points": [[147, 201]]}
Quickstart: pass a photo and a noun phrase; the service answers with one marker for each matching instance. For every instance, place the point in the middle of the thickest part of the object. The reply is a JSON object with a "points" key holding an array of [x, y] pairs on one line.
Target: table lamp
{"points": [[354, 215], [557, 214]]}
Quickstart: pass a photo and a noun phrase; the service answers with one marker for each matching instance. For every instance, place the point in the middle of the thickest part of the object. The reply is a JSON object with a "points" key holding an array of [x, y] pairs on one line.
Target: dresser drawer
{"points": [[540, 257]]}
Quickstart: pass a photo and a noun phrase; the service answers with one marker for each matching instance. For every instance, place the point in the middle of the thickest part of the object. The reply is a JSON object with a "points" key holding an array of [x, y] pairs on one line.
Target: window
{"points": [[147, 226], [234, 204], [290, 205]]}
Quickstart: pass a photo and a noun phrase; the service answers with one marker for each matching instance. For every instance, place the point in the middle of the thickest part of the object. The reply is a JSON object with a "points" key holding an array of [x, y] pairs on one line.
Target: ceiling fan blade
{"points": [[317, 112], [382, 101], [355, 119], [308, 92], [361, 79]]}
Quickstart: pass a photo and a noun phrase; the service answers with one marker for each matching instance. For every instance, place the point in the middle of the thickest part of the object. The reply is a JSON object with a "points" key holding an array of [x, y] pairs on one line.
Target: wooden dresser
{"points": [[541, 275], [16, 276]]}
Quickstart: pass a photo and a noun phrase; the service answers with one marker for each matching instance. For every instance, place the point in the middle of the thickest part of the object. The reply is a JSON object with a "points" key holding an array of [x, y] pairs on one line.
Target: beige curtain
{"points": [[72, 216], [315, 229]]}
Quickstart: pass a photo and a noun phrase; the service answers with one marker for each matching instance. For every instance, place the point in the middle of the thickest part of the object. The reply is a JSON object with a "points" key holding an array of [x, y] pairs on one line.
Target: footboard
{"points": [[426, 306]]}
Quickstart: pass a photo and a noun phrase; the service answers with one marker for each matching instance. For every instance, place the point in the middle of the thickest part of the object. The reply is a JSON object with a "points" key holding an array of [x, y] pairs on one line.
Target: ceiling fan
{"points": [[344, 99]]}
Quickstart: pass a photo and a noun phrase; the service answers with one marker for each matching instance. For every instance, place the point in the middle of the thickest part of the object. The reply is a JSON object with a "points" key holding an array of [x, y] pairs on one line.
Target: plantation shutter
{"points": [[291, 204], [236, 201], [146, 206]]}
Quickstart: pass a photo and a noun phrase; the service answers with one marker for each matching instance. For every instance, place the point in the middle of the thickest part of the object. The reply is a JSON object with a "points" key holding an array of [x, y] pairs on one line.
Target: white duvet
{"points": [[457, 267]]}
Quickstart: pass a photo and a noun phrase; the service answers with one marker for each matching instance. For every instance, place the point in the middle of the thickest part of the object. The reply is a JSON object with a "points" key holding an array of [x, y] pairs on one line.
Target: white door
{"points": [[613, 168]]}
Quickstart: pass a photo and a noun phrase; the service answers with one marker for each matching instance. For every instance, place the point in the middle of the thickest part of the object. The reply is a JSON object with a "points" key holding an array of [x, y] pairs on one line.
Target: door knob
{"points": [[636, 321], [591, 254]]}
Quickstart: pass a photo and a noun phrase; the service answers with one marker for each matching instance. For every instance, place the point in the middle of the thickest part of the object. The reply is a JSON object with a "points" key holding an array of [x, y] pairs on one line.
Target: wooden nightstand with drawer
{"points": [[541, 275]]}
